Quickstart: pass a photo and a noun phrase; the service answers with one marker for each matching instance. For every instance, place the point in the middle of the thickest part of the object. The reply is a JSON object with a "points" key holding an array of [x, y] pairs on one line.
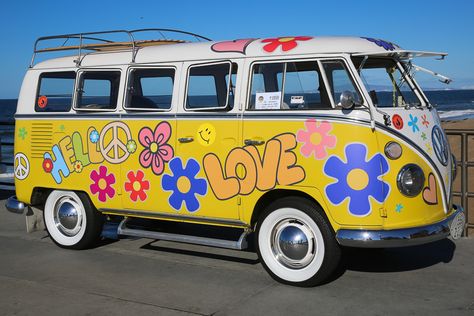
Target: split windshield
{"points": [[386, 84]]}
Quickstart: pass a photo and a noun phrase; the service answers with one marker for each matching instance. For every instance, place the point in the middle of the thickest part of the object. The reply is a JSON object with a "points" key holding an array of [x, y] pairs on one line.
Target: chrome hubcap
{"points": [[293, 243], [68, 216]]}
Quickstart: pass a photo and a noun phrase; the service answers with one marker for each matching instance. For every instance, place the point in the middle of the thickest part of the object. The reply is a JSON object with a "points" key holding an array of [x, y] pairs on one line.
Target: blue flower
{"points": [[94, 136], [386, 45], [357, 179], [413, 123], [184, 184]]}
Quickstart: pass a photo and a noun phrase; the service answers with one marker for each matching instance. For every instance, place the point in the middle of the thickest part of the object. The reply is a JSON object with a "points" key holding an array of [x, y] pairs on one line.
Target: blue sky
{"points": [[419, 25]]}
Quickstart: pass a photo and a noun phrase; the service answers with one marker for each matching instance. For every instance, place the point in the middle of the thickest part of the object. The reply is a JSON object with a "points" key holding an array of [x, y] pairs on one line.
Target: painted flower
{"points": [[78, 166], [286, 43], [22, 133], [424, 121], [62, 127], [131, 146], [316, 138], [414, 123], [47, 165], [384, 44], [423, 136], [184, 184], [94, 136], [398, 208], [156, 151], [358, 178], [102, 183], [137, 186], [429, 149]]}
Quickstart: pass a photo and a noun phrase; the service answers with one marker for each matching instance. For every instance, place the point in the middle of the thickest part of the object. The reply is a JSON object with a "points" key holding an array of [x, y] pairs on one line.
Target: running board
{"points": [[188, 239]]}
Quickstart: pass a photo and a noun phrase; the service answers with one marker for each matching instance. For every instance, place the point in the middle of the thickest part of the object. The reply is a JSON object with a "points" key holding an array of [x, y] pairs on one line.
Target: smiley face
{"points": [[206, 134]]}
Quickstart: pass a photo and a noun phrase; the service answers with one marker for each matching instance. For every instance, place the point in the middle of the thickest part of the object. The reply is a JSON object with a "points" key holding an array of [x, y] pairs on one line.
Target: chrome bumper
{"points": [[15, 206], [402, 237]]}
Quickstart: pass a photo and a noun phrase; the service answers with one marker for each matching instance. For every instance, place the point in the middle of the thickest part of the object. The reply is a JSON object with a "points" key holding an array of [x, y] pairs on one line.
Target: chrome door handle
{"points": [[254, 142], [185, 139]]}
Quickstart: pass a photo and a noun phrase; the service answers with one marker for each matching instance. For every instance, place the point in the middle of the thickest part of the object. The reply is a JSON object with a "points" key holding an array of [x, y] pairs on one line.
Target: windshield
{"points": [[386, 83]]}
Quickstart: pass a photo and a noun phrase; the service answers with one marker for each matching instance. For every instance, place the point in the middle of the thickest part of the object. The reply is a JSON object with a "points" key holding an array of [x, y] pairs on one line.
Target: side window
{"points": [[151, 89], [55, 92], [288, 86], [209, 87], [340, 81], [98, 90]]}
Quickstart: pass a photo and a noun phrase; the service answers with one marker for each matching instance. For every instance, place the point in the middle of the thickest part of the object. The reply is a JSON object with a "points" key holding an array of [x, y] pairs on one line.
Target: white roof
{"points": [[298, 45]]}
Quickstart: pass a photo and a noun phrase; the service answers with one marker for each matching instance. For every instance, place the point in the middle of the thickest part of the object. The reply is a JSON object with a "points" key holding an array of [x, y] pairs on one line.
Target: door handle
{"points": [[254, 142], [185, 139]]}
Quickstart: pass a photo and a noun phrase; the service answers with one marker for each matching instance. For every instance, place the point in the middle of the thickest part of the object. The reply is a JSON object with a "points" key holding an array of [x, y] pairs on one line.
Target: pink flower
{"points": [[156, 151], [102, 183], [316, 138], [286, 43]]}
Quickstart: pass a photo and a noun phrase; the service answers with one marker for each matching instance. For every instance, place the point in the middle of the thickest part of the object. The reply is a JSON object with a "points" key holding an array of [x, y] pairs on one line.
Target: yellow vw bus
{"points": [[307, 143]]}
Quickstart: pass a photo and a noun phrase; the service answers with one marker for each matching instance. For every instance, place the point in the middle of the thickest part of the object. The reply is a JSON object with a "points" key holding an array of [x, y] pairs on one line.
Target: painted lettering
{"points": [[59, 164], [278, 166], [68, 152]]}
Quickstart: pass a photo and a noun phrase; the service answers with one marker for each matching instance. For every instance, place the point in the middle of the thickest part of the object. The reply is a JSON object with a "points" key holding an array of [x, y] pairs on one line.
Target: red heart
{"points": [[237, 46], [430, 193]]}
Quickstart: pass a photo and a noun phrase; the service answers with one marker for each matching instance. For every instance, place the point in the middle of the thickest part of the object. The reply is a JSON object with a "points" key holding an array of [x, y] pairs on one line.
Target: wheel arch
{"points": [[271, 196]]}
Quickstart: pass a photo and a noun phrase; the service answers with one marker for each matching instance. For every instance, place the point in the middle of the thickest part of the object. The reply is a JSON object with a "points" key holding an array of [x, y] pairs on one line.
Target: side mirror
{"points": [[347, 100]]}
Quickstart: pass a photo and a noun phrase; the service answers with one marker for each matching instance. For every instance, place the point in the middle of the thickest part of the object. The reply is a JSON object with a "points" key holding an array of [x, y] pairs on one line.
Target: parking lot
{"points": [[144, 277]]}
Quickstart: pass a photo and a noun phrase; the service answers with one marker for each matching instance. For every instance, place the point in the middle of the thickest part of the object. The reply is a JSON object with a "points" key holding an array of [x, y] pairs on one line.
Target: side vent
{"points": [[41, 139]]}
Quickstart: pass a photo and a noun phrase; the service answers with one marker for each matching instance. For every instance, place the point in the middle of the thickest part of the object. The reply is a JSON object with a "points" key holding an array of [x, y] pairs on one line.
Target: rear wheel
{"points": [[71, 220], [295, 243]]}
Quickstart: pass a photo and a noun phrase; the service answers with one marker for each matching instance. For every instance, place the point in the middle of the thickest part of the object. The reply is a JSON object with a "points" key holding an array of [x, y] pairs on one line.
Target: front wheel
{"points": [[295, 243], [71, 220]]}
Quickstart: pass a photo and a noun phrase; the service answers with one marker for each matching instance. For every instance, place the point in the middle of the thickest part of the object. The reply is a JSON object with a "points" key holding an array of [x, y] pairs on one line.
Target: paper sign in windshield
{"points": [[268, 101]]}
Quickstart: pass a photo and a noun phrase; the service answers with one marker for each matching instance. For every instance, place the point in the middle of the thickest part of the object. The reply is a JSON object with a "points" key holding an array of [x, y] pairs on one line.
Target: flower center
{"points": [[153, 147], [136, 186], [183, 184], [102, 184], [286, 39], [357, 179], [316, 138]]}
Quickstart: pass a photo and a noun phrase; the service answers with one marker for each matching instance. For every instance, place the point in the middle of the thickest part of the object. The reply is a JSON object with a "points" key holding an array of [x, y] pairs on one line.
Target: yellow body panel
{"points": [[220, 168]]}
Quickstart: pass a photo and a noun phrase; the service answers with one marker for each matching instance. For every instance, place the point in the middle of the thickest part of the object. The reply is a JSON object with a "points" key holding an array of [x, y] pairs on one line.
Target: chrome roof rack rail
{"points": [[95, 43]]}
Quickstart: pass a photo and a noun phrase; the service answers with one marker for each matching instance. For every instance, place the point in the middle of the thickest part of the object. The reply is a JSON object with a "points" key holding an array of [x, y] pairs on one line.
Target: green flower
{"points": [[22, 133], [131, 146]]}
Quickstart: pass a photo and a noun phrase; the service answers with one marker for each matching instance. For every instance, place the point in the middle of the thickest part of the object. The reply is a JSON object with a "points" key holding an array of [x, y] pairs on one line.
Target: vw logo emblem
{"points": [[440, 145]]}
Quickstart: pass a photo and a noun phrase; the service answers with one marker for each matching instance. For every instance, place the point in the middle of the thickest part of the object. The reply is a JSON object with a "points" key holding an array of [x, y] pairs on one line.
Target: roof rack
{"points": [[89, 42]]}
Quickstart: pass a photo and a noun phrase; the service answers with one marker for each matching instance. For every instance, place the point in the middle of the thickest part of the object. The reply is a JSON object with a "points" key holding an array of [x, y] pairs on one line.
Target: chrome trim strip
{"points": [[188, 239], [165, 216], [15, 206], [397, 237]]}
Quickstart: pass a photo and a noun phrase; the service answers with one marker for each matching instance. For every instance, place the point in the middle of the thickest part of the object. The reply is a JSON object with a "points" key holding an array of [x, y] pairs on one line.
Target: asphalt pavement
{"points": [[148, 277]]}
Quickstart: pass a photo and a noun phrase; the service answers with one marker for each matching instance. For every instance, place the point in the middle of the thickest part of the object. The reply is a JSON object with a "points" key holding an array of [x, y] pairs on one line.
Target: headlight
{"points": [[454, 167], [410, 180]]}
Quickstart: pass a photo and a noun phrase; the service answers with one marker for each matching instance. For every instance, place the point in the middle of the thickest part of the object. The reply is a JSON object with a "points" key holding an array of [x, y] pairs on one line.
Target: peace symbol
{"points": [[22, 166], [115, 151], [440, 145]]}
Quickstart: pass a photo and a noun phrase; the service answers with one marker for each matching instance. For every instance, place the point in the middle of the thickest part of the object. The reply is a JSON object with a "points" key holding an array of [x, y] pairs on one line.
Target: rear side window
{"points": [[151, 89], [98, 90], [287, 86], [209, 87], [55, 92]]}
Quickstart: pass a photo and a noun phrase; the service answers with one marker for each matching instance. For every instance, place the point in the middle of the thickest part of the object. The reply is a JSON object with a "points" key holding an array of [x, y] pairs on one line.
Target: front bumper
{"points": [[452, 225], [15, 206]]}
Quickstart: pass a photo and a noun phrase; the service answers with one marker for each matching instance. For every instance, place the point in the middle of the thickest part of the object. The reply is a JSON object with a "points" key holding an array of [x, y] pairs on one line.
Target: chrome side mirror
{"points": [[347, 100]]}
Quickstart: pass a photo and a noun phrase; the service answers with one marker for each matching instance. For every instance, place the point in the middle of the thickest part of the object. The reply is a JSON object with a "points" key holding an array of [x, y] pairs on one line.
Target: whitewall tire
{"points": [[71, 220], [296, 244]]}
